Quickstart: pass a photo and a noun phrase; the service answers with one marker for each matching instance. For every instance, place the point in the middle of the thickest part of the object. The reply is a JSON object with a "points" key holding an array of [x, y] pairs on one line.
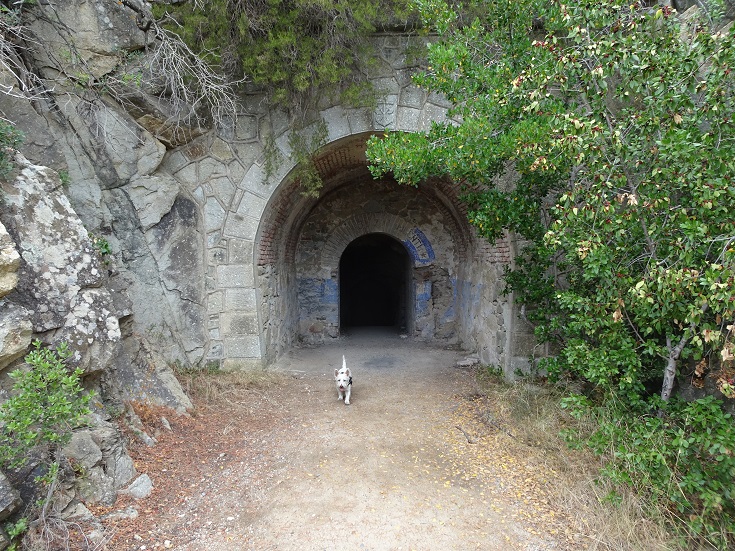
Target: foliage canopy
{"points": [[621, 115], [617, 119]]}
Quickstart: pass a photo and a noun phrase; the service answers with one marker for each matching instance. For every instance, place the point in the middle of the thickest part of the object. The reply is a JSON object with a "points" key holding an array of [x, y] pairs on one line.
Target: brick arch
{"points": [[444, 302], [282, 228], [418, 247], [341, 161]]}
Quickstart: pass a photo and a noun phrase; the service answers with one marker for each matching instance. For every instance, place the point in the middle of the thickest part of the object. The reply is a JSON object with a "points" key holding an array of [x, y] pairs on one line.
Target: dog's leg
{"points": [[339, 395], [348, 391]]}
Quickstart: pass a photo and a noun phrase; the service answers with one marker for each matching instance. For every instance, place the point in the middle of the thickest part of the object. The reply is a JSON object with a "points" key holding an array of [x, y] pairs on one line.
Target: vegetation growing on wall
{"points": [[298, 51], [10, 138], [291, 47], [618, 119]]}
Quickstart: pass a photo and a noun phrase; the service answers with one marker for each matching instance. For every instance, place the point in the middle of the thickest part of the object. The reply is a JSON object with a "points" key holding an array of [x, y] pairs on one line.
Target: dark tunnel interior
{"points": [[373, 275]]}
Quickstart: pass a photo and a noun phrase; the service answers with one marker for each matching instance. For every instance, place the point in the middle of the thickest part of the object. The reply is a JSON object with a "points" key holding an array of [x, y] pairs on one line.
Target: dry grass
{"points": [[610, 519], [55, 534], [232, 388]]}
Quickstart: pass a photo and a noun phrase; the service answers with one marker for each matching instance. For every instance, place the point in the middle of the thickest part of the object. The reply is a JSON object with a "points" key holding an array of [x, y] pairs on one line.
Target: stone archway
{"points": [[453, 284], [409, 217]]}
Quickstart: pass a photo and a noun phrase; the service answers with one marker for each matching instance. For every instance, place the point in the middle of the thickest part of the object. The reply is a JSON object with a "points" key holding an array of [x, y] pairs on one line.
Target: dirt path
{"points": [[404, 467]]}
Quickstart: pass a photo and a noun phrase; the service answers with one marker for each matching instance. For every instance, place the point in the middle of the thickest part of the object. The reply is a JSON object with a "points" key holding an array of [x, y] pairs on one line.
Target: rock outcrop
{"points": [[15, 323], [61, 277], [101, 456], [60, 284], [99, 247]]}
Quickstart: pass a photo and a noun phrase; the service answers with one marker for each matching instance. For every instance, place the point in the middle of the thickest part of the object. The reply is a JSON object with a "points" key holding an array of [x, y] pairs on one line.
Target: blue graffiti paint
{"points": [[469, 296], [423, 298], [419, 247], [330, 291], [316, 292], [450, 313], [318, 300]]}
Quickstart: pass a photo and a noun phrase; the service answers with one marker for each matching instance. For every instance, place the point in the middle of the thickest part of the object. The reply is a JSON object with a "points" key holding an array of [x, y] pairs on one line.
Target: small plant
{"points": [[47, 403], [304, 146], [80, 471], [10, 138], [64, 177], [272, 158], [135, 79], [114, 411], [303, 152], [14, 530], [487, 374], [102, 246]]}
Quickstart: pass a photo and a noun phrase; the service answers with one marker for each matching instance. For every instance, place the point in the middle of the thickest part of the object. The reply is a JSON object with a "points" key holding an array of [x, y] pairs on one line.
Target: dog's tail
{"points": [[344, 362]]}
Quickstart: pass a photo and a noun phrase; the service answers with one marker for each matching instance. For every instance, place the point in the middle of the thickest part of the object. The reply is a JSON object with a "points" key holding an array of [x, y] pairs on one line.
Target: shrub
{"points": [[676, 453], [291, 47], [47, 403]]}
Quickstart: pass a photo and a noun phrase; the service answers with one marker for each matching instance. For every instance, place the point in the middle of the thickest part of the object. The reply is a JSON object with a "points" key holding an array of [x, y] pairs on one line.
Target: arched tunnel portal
{"points": [[374, 283], [371, 252]]}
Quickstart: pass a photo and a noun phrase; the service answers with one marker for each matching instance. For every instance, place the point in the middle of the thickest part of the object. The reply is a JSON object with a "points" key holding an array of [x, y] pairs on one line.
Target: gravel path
{"points": [[406, 466]]}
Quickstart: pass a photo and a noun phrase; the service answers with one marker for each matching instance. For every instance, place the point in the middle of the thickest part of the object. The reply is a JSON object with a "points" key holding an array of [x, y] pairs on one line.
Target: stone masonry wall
{"points": [[206, 242], [365, 207]]}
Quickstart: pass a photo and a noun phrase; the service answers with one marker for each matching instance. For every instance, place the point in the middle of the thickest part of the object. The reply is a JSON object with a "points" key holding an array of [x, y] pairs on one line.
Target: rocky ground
{"points": [[417, 461]]}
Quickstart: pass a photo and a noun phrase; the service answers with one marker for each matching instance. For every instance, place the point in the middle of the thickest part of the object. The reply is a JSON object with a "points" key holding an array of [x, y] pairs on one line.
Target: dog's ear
{"points": [[336, 372], [347, 372]]}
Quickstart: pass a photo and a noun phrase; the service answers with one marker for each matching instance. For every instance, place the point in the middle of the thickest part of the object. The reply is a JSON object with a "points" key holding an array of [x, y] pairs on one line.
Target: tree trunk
{"points": [[670, 371]]}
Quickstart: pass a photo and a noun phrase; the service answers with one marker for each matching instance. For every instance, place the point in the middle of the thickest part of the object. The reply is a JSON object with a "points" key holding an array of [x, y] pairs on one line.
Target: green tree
{"points": [[618, 119], [646, 222], [489, 131], [622, 114]]}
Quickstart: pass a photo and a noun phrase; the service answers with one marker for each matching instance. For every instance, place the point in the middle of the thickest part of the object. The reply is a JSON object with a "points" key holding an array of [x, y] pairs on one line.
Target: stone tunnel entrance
{"points": [[373, 276], [372, 253]]}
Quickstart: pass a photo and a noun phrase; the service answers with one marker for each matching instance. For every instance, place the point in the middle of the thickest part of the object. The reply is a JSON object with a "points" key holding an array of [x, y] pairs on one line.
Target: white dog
{"points": [[343, 378]]}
